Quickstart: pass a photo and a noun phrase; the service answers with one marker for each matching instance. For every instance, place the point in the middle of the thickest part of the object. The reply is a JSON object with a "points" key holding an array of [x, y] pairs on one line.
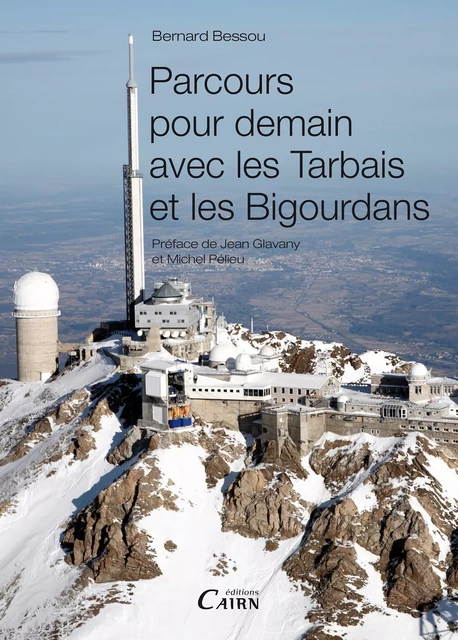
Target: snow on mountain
{"points": [[314, 356], [107, 531]]}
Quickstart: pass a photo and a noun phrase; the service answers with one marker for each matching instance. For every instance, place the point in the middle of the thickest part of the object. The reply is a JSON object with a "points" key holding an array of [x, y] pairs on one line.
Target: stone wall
{"points": [[232, 414]]}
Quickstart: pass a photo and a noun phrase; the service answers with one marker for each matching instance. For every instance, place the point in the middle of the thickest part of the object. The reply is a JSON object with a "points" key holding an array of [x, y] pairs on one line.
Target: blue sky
{"points": [[391, 66]]}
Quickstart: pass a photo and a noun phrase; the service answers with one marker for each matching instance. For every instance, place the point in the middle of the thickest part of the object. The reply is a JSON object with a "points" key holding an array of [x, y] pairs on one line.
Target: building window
{"points": [[275, 389], [283, 400], [283, 391], [291, 391]]}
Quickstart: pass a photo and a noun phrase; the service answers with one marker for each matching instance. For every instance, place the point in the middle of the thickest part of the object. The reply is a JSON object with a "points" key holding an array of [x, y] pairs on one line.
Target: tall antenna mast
{"points": [[133, 202]]}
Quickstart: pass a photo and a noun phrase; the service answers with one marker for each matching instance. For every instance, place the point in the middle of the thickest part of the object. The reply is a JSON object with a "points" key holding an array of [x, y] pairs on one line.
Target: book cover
{"points": [[228, 395]]}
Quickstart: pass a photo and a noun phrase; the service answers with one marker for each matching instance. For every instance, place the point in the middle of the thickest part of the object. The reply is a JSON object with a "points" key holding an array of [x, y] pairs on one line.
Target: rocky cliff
{"points": [[108, 530]]}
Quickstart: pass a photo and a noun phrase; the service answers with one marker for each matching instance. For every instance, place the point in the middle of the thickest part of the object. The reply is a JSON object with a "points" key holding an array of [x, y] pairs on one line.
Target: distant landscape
{"points": [[392, 286]]}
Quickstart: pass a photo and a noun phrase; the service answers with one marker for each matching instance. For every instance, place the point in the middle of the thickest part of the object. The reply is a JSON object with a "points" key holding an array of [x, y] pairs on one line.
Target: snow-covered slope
{"points": [[109, 532]]}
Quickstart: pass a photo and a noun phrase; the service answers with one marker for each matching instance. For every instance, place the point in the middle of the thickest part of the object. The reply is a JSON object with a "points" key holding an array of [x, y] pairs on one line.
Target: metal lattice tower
{"points": [[133, 202]]}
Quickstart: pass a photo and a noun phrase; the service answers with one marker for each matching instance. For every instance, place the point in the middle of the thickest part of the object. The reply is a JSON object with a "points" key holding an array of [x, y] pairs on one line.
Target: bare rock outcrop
{"points": [[317, 632], [123, 397], [104, 536], [94, 418], [395, 529], [216, 468], [73, 406], [286, 458], [38, 432], [261, 501], [258, 504], [82, 443], [135, 442], [222, 442], [299, 360], [337, 470], [413, 583]]}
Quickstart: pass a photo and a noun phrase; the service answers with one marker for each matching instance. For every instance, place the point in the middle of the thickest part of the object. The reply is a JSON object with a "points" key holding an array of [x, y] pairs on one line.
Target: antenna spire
{"points": [[131, 82]]}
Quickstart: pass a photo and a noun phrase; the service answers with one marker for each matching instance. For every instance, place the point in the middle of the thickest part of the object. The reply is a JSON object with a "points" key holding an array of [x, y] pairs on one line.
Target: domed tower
{"points": [[35, 299], [418, 382]]}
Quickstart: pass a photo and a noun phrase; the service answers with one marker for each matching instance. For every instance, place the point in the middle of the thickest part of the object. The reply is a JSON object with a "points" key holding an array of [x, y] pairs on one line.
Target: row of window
{"points": [[158, 313], [394, 412], [165, 321], [421, 427], [292, 391], [213, 390], [437, 389], [255, 393]]}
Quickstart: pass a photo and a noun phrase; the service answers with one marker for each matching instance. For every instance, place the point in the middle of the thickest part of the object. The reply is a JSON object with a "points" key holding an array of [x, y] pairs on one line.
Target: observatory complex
{"points": [[192, 370]]}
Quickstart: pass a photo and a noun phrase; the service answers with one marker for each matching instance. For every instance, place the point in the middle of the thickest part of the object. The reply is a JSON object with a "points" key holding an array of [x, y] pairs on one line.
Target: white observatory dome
{"points": [[35, 291], [267, 350], [243, 362], [418, 370], [222, 352]]}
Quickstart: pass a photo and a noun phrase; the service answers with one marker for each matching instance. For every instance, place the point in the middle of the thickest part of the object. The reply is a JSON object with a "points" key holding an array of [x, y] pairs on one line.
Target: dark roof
{"points": [[166, 291]]}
